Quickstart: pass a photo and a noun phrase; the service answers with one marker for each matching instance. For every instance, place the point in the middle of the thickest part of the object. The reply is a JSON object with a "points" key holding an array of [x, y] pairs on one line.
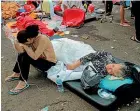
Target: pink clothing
{"points": [[114, 1]]}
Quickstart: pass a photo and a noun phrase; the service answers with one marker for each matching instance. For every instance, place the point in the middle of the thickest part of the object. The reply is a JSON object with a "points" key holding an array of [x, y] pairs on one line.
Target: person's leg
{"points": [[24, 62], [122, 13], [15, 75], [137, 26], [123, 22], [110, 6], [132, 13], [106, 6], [42, 64], [135, 10], [23, 66]]}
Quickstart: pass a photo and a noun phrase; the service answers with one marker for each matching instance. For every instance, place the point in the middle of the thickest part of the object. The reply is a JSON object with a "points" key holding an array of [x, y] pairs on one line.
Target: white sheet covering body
{"points": [[67, 51]]}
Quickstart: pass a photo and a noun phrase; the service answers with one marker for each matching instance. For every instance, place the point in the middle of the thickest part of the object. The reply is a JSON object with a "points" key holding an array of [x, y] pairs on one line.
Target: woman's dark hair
{"points": [[30, 32], [35, 4], [22, 36]]}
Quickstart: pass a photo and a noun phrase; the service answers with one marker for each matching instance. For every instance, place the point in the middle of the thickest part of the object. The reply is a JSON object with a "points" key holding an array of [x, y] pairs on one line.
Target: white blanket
{"points": [[67, 51]]}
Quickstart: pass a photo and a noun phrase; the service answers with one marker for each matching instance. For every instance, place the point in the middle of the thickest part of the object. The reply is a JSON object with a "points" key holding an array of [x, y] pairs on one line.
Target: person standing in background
{"points": [[109, 6], [123, 21], [135, 10]]}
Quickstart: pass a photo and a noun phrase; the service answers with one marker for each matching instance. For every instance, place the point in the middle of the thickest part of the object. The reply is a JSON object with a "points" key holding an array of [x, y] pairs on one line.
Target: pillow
{"points": [[112, 85]]}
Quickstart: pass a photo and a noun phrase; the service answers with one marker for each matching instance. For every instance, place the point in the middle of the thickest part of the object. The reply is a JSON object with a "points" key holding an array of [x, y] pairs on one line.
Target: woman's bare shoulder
{"points": [[44, 38]]}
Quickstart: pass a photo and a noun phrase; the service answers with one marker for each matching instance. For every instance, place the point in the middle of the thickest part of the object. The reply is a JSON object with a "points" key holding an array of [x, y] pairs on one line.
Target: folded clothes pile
{"points": [[9, 9]]}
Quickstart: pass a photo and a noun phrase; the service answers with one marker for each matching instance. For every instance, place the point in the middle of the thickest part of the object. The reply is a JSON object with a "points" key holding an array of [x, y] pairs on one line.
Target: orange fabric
{"points": [[9, 9], [33, 15]]}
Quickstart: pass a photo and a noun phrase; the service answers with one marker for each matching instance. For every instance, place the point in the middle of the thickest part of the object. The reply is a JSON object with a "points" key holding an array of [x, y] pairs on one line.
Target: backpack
{"points": [[90, 79], [127, 93]]}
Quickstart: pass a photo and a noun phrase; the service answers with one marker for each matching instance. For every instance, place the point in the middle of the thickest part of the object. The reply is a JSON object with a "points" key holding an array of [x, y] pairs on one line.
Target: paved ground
{"points": [[107, 36]]}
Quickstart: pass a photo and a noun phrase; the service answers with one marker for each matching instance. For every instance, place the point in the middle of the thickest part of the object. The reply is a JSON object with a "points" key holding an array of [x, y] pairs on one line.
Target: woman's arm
{"points": [[81, 61], [40, 49], [74, 65], [19, 48]]}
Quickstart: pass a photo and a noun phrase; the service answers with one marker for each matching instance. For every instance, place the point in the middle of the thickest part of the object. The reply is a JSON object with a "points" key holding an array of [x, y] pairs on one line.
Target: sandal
{"points": [[17, 91], [9, 79], [134, 39], [124, 24]]}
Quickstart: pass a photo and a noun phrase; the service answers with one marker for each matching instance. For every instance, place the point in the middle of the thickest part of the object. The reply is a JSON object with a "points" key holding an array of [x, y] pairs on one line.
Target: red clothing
{"points": [[23, 22]]}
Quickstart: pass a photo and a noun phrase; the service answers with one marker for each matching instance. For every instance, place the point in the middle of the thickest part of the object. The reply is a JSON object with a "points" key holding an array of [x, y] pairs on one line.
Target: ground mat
{"points": [[94, 99]]}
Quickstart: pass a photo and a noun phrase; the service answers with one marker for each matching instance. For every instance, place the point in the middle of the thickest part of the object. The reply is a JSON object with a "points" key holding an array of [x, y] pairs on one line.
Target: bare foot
{"points": [[20, 85], [124, 24], [126, 21], [13, 75]]}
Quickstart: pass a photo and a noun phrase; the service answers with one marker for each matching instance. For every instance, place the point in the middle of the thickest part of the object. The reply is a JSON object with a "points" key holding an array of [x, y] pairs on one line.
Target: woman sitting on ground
{"points": [[104, 63], [35, 49]]}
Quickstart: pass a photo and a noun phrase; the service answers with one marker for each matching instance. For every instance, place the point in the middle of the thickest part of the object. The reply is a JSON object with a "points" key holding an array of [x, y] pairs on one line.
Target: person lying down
{"points": [[104, 63]]}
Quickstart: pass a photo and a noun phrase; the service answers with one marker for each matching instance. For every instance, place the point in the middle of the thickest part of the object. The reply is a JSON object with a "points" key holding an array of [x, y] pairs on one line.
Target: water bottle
{"points": [[59, 83]]}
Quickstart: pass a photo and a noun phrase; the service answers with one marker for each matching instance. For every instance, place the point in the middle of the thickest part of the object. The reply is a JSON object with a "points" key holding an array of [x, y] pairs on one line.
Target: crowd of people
{"points": [[36, 49]]}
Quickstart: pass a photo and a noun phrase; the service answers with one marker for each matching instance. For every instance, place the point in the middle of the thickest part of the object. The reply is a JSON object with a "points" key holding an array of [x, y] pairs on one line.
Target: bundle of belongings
{"points": [[9, 9], [104, 91], [23, 22], [29, 9]]}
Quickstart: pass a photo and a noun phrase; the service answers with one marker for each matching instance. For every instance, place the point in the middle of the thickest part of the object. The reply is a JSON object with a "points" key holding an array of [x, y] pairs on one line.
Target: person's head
{"points": [[35, 4], [118, 70], [28, 35]]}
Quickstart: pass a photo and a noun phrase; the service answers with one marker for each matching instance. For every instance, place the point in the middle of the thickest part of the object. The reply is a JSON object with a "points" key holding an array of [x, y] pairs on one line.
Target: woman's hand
{"points": [[69, 67], [73, 65], [19, 47]]}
